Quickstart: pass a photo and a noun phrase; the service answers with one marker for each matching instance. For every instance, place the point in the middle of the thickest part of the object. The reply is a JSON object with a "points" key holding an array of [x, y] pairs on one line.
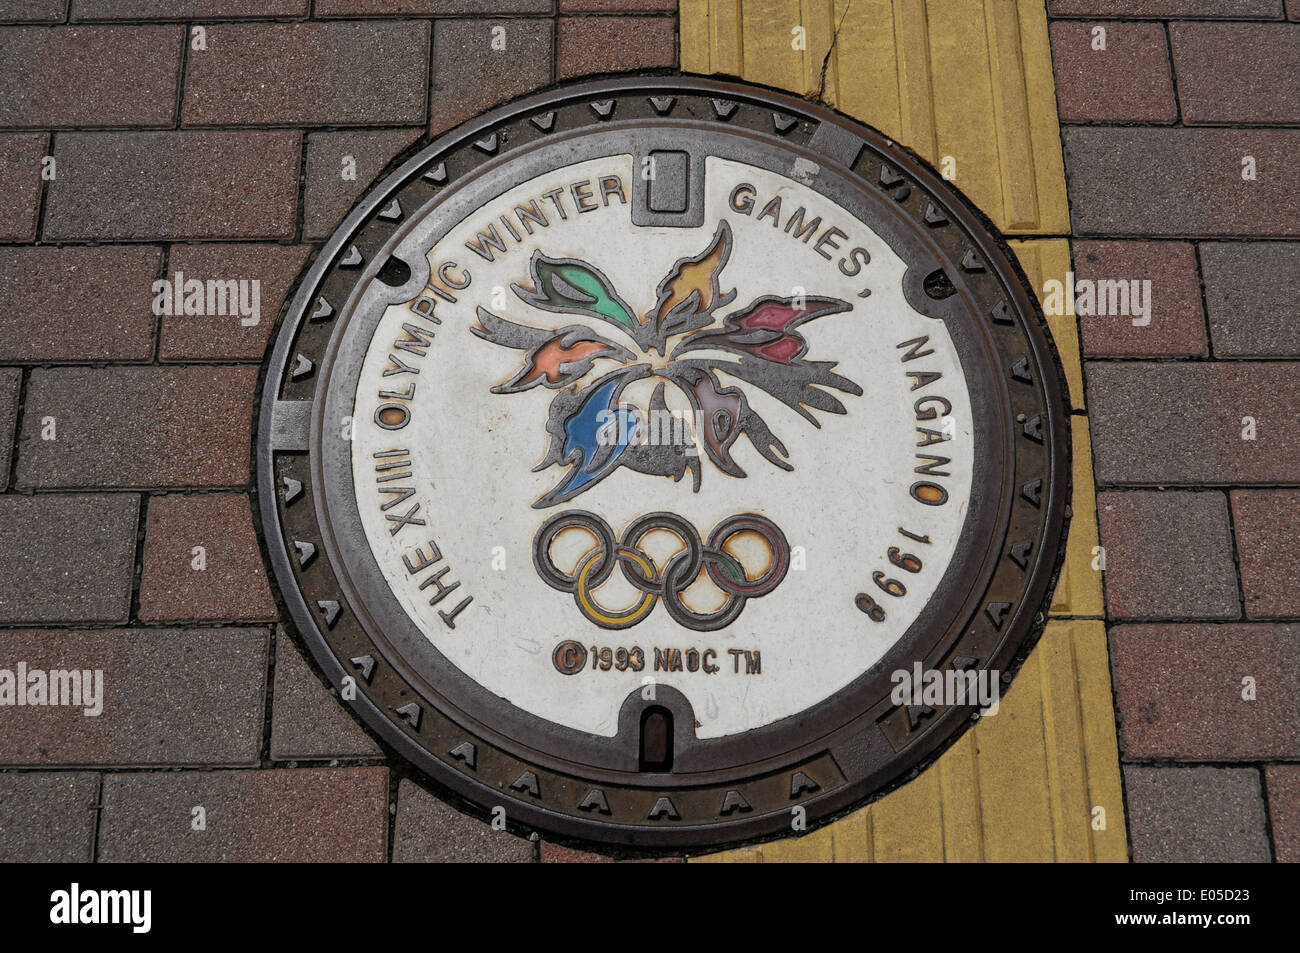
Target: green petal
{"points": [[594, 292]]}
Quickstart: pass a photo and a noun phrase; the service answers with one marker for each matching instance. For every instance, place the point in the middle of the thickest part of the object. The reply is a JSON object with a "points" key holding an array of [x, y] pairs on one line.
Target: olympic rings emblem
{"points": [[669, 583]]}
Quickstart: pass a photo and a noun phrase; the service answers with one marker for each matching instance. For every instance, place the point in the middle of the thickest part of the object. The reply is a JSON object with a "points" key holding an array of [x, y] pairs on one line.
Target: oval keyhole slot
{"points": [[656, 740]]}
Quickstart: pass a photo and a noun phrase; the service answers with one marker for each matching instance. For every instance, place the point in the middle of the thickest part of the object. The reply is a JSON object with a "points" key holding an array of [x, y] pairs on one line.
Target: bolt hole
{"points": [[395, 272], [938, 285]]}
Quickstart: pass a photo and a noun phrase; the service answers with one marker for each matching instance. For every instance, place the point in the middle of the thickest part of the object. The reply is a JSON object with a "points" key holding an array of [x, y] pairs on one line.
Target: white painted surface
{"points": [[473, 452]]}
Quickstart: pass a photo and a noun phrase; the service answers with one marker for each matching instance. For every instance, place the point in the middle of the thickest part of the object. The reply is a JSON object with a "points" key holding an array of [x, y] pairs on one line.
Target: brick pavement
{"points": [[124, 438], [209, 138], [1194, 415]]}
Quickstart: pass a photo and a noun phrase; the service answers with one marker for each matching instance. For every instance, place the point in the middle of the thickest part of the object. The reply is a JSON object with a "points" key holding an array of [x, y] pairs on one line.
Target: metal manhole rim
{"points": [[975, 227]]}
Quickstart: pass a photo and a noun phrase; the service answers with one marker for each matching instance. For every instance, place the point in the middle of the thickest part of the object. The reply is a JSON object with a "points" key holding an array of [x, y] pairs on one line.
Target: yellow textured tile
{"points": [[769, 55], [693, 24], [1011, 115], [1100, 746], [745, 855], [1067, 779], [866, 55], [726, 37], [1044, 124], [907, 824], [814, 848], [1048, 259], [1023, 785], [853, 838], [1014, 797], [965, 128], [818, 18], [915, 85], [971, 79], [1078, 590], [963, 837]]}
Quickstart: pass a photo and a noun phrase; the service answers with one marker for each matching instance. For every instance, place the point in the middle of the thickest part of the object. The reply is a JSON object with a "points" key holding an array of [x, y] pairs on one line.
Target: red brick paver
{"points": [[67, 557], [78, 304], [1150, 181], [33, 10], [1237, 73], [1161, 9], [1283, 782], [464, 51], [340, 167], [339, 8], [47, 818], [247, 816], [430, 830], [309, 74], [202, 562], [618, 6], [90, 76], [21, 167], [230, 337], [1182, 691], [1196, 815], [174, 185], [1117, 72], [11, 382], [169, 697], [1201, 431], [1250, 293], [1194, 423], [615, 44], [138, 427], [1175, 325], [186, 9], [1268, 525], [1168, 555], [309, 721]]}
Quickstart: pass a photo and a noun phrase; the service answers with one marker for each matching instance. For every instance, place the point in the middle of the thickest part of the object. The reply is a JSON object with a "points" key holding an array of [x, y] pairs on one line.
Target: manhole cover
{"points": [[625, 448]]}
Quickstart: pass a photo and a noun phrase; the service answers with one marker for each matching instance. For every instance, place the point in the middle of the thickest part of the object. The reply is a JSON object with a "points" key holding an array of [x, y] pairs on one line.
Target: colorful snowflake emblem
{"points": [[593, 432]]}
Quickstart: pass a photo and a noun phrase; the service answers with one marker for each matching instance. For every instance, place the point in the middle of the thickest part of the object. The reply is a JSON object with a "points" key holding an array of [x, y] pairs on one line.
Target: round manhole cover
{"points": [[635, 457]]}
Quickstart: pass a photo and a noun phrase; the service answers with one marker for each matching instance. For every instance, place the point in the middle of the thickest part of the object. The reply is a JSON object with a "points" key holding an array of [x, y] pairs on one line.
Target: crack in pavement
{"points": [[826, 61]]}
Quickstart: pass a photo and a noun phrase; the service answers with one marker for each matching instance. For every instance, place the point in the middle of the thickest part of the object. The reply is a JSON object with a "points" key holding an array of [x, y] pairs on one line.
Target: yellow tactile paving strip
{"points": [[1023, 785], [968, 81]]}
